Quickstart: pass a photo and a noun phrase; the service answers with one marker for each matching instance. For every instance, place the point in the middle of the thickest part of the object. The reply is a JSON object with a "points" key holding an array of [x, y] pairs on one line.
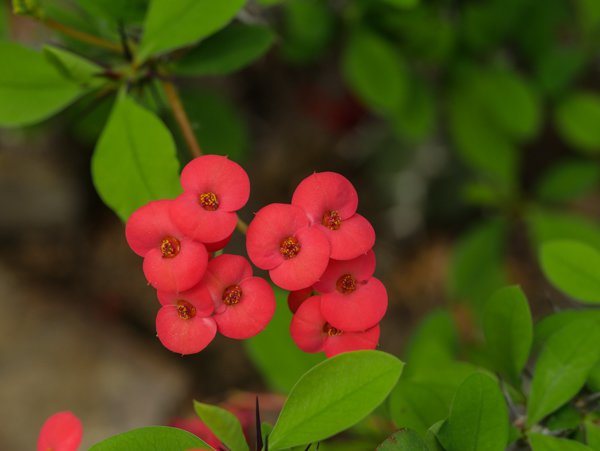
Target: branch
{"points": [[82, 36], [181, 118]]}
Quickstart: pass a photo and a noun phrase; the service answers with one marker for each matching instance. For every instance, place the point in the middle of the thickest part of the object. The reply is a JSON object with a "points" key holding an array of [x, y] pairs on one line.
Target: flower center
{"points": [[185, 310], [332, 220], [208, 201], [346, 284], [289, 247], [232, 295], [331, 331], [170, 247]]}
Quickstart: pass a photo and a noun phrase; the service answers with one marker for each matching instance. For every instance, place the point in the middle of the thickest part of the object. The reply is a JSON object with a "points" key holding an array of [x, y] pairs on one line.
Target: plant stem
{"points": [[241, 226], [82, 36], [181, 118]]}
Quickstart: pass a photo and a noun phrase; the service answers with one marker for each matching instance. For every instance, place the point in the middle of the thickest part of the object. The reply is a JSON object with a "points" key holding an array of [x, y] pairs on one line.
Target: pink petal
{"points": [[354, 237], [219, 175], [217, 246], [357, 311], [308, 266], [322, 192], [307, 326], [198, 296], [352, 341], [148, 225], [184, 336], [296, 298], [200, 224], [361, 268], [271, 225], [179, 273], [224, 271], [197, 427], [251, 315], [61, 432]]}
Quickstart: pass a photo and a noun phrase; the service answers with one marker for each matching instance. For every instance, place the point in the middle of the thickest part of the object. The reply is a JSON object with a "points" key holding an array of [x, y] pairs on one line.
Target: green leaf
{"points": [[547, 225], [508, 331], [558, 67], [3, 20], [568, 180], [415, 119], [275, 354], [223, 424], [574, 268], [116, 11], [592, 434], [402, 4], [403, 440], [478, 418], [551, 324], [540, 442], [27, 7], [31, 88], [477, 266], [563, 367], [593, 381], [375, 72], [333, 396], [178, 23], [564, 419], [135, 159], [74, 67], [577, 118], [227, 51], [155, 438]]}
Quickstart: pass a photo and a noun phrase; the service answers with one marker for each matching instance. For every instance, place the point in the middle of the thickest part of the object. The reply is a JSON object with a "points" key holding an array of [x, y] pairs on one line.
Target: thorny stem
{"points": [[181, 117], [82, 36]]}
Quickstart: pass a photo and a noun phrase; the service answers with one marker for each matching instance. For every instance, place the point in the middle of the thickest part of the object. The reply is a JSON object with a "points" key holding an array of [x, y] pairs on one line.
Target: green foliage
{"points": [[478, 417], [223, 424], [592, 434], [31, 88], [548, 225], [156, 438], [553, 323], [563, 367], [333, 396], [415, 119], [577, 119], [115, 11], [275, 354], [178, 23], [374, 70], [508, 331], [568, 180], [147, 167], [403, 440], [540, 442], [227, 51], [74, 67], [574, 268]]}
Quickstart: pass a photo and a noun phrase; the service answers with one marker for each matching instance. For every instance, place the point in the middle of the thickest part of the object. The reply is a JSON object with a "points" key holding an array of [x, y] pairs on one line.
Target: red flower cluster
{"points": [[175, 237], [60, 432], [319, 243]]}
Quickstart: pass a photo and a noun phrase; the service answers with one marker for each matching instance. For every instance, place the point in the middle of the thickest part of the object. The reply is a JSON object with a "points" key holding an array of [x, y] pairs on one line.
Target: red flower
{"points": [[244, 304], [61, 432], [196, 426], [296, 298], [352, 300], [172, 261], [183, 323], [312, 333], [330, 201], [281, 240], [214, 188]]}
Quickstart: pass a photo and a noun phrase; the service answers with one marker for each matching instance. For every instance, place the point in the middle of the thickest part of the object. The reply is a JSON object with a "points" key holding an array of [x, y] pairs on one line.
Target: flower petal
{"points": [[357, 311], [352, 341], [354, 237], [198, 296], [361, 268], [183, 336], [224, 271], [148, 225], [60, 432], [297, 297], [307, 326]]}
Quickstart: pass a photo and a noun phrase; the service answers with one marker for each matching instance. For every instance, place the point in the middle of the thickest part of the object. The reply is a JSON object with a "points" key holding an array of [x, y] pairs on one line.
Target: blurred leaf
{"points": [[31, 88], [558, 67], [551, 324], [375, 72], [477, 265], [309, 27], [508, 331], [588, 15], [568, 180], [577, 118], [27, 7], [275, 354], [593, 381], [403, 440], [562, 367], [481, 193], [574, 268], [431, 437], [87, 127], [592, 434], [116, 11], [269, 2], [478, 417], [155, 438], [3, 20], [216, 123], [227, 51], [223, 424], [333, 396], [415, 119], [178, 23], [540, 442], [74, 67], [547, 225], [402, 4], [135, 159], [565, 418]]}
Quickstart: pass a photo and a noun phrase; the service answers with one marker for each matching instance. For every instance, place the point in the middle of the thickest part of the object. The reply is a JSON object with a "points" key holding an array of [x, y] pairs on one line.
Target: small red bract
{"points": [[61, 432]]}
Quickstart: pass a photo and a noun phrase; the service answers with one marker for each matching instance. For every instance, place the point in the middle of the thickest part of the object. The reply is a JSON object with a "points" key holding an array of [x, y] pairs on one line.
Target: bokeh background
{"points": [[471, 130]]}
